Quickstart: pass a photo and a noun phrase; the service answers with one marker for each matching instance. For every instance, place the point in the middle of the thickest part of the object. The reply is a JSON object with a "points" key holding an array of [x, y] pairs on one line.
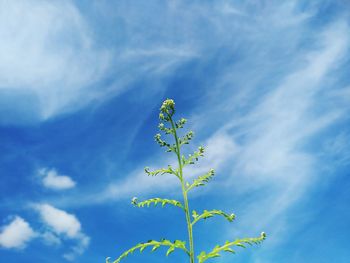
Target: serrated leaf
{"points": [[155, 245], [187, 138], [192, 158], [207, 214], [227, 247], [201, 180], [229, 250], [156, 201], [161, 171], [170, 250]]}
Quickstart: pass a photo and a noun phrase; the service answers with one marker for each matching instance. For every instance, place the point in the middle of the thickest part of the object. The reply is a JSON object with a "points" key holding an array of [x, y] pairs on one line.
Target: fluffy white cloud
{"points": [[65, 225], [16, 234], [51, 179], [59, 221]]}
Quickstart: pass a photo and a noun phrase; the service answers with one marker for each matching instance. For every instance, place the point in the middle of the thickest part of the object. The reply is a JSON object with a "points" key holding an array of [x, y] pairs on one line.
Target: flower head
{"points": [[168, 107]]}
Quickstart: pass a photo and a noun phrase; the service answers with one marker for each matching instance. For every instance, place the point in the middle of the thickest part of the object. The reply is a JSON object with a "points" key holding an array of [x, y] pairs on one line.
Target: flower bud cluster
{"points": [[134, 201], [201, 150], [180, 123], [168, 108], [186, 139], [162, 127], [161, 143]]}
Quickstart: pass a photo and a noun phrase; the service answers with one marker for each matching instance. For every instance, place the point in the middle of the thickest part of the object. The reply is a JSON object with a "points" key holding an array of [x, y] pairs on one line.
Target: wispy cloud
{"points": [[52, 62], [273, 157], [48, 59], [269, 77], [16, 234]]}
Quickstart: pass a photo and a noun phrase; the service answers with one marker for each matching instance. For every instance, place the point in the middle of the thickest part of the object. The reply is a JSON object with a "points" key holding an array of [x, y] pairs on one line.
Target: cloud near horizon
{"points": [[17, 234]]}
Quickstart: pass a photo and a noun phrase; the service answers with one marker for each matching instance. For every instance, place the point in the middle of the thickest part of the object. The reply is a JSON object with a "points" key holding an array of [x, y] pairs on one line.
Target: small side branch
{"points": [[201, 180], [207, 214], [161, 171], [227, 247], [156, 201], [177, 244], [192, 158]]}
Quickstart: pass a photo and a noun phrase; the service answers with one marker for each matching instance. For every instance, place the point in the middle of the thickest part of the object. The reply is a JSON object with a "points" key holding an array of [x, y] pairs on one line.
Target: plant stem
{"points": [[184, 193]]}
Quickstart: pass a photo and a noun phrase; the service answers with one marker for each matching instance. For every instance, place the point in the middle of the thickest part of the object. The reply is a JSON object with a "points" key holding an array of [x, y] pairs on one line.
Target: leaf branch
{"points": [[156, 244], [156, 201], [187, 138], [162, 143], [165, 129], [201, 180], [227, 247], [207, 214], [192, 158], [161, 171]]}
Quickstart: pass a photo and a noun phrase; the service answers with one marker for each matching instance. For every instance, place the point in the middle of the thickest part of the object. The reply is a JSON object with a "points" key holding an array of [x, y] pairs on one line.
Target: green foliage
{"points": [[156, 201], [192, 158], [227, 247], [155, 245], [161, 171], [169, 127], [207, 214], [201, 180]]}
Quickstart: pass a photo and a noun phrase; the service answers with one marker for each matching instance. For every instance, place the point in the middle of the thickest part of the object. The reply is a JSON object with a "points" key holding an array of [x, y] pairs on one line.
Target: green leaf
{"points": [[161, 171], [207, 214], [180, 124], [177, 244], [156, 201], [162, 143], [155, 247], [187, 138], [166, 130], [192, 158], [170, 250], [201, 180], [227, 247]]}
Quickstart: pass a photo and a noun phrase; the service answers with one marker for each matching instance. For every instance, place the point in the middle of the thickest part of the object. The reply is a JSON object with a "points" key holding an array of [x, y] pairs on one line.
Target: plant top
{"points": [[170, 127]]}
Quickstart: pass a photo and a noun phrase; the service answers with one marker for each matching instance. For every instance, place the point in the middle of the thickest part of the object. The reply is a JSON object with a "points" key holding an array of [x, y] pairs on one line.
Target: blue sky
{"points": [[264, 84]]}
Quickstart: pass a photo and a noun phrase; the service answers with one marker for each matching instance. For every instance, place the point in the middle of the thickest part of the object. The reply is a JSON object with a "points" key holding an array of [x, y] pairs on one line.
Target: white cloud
{"points": [[16, 234], [272, 156], [59, 221], [63, 225], [53, 61], [78, 249], [51, 179], [51, 238], [285, 117], [48, 59]]}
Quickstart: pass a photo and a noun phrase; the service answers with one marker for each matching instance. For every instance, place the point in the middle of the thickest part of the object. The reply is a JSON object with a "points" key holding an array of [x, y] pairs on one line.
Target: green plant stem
{"points": [[184, 193]]}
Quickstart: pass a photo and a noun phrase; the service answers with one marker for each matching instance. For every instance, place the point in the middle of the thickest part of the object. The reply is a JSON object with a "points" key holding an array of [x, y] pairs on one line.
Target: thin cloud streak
{"points": [[272, 158]]}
